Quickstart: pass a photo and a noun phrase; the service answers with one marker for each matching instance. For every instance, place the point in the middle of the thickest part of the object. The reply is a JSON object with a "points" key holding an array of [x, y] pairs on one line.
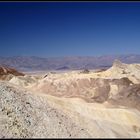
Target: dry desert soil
{"points": [[71, 104]]}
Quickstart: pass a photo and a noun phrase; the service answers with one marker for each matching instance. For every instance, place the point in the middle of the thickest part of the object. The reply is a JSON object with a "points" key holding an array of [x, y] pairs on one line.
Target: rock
{"points": [[7, 73]]}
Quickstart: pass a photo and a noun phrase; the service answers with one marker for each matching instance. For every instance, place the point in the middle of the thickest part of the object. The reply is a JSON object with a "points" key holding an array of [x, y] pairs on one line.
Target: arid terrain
{"points": [[71, 104]]}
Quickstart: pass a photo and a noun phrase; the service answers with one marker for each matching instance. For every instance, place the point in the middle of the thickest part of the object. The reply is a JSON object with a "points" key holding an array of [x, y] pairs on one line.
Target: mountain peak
{"points": [[117, 63]]}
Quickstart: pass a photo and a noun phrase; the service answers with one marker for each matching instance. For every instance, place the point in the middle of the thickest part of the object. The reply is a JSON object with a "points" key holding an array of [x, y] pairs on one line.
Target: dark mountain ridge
{"points": [[33, 63]]}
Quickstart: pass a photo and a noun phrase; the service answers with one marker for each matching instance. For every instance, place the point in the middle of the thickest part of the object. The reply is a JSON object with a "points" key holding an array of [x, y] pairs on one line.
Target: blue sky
{"points": [[69, 28]]}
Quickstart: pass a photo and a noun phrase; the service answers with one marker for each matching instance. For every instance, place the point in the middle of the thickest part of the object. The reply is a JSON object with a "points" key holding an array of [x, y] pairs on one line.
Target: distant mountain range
{"points": [[33, 63]]}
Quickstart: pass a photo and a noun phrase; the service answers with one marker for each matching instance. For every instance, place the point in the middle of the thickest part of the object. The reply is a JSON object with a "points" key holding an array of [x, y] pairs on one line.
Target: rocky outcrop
{"points": [[117, 63], [7, 73], [119, 70], [128, 96], [7, 70]]}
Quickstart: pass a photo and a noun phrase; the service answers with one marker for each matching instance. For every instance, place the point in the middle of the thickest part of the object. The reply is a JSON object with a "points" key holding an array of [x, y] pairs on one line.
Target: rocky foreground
{"points": [[102, 104]]}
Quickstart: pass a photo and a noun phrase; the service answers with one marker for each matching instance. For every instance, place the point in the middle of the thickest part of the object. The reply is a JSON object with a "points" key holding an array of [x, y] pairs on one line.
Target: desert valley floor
{"points": [[72, 104]]}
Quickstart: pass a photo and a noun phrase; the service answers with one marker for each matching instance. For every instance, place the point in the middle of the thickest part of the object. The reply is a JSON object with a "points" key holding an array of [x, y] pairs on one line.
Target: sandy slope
{"points": [[24, 114], [99, 120]]}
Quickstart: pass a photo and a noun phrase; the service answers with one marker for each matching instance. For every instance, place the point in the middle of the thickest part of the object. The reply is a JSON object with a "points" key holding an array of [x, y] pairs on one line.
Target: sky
{"points": [[50, 29]]}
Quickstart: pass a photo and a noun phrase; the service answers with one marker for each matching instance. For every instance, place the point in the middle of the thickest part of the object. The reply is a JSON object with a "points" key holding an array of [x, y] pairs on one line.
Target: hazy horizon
{"points": [[61, 29], [129, 54]]}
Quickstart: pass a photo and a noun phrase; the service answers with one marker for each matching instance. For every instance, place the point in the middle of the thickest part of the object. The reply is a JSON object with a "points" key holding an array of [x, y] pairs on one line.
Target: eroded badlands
{"points": [[96, 104]]}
